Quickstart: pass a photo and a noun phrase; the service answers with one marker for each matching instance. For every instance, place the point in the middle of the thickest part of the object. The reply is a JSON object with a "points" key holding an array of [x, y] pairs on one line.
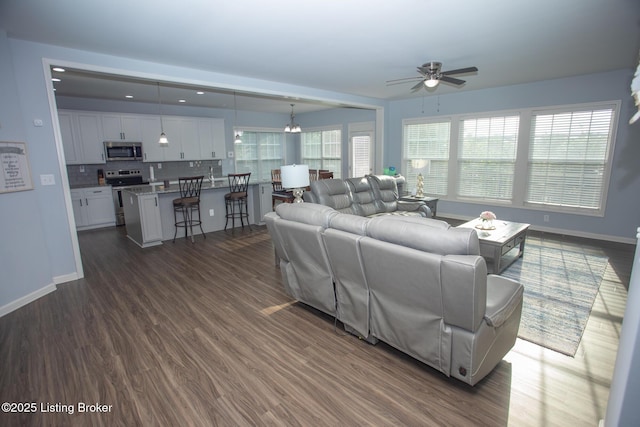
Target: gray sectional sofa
{"points": [[372, 195], [414, 283]]}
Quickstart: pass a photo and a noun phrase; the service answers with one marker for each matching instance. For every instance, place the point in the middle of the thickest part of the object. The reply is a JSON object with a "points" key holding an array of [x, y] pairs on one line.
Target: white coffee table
{"points": [[495, 244]]}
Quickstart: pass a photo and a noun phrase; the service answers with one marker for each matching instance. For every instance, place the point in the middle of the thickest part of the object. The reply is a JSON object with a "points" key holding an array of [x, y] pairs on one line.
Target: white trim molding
{"points": [[22, 301]]}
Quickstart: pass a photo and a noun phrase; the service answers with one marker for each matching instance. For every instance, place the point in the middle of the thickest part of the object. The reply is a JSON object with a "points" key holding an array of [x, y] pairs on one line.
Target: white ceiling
{"points": [[347, 46]]}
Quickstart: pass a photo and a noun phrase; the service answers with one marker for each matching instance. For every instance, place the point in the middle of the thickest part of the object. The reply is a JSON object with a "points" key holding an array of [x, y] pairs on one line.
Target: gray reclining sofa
{"points": [[372, 195], [415, 283]]}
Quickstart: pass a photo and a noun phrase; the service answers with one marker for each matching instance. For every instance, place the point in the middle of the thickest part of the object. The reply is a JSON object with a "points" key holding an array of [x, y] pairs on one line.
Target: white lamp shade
{"points": [[294, 176]]}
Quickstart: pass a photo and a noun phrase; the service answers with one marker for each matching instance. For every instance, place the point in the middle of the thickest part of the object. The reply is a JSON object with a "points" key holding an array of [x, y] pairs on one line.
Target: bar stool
{"points": [[187, 205], [237, 197]]}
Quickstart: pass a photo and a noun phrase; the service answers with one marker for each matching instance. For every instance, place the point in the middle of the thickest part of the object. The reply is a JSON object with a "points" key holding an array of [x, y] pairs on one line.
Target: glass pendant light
{"points": [[237, 139], [163, 141]]}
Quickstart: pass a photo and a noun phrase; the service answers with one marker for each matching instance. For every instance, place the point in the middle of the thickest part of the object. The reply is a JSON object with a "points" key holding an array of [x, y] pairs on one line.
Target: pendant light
{"points": [[237, 139], [163, 141], [292, 127]]}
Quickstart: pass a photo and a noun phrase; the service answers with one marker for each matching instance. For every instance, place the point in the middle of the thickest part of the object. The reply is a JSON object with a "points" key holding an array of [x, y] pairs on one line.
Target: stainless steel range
{"points": [[118, 180]]}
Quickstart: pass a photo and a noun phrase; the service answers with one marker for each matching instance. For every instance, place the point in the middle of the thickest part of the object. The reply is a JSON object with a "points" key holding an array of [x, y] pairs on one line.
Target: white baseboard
{"points": [[14, 305], [574, 233], [65, 278]]}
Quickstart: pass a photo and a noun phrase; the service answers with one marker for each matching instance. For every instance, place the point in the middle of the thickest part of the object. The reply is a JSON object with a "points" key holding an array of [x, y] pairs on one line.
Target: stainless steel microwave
{"points": [[115, 150]]}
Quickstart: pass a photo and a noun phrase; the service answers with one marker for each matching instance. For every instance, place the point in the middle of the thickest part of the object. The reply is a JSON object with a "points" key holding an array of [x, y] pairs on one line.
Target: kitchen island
{"points": [[148, 210]]}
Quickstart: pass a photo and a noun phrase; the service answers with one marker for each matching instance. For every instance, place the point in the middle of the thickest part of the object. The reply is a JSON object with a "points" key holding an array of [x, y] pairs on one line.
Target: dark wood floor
{"points": [[203, 334]]}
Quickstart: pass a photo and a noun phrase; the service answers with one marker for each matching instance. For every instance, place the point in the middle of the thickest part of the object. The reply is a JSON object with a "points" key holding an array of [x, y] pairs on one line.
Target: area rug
{"points": [[560, 286]]}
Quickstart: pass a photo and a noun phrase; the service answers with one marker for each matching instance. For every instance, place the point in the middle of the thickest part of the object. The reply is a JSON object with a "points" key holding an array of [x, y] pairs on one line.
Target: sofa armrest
{"points": [[416, 206], [503, 298]]}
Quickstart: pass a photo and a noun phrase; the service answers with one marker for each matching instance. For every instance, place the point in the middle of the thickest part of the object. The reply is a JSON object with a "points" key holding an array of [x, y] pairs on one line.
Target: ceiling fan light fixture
{"points": [[431, 82]]}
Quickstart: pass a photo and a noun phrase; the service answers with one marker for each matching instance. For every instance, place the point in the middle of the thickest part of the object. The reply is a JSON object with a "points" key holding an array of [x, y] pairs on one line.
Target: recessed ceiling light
{"points": [[55, 79], [128, 96], [58, 69], [182, 100], [199, 92]]}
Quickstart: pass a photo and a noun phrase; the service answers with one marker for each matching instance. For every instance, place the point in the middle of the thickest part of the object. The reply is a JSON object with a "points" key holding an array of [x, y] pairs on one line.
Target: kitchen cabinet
{"points": [[121, 127], [68, 131], [211, 139], [81, 137], [142, 218], [93, 207], [182, 133], [265, 190], [90, 135], [152, 151], [190, 138]]}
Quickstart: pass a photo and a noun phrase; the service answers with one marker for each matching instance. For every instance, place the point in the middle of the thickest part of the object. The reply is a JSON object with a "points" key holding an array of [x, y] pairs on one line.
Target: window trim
{"points": [[338, 127], [522, 153], [244, 129]]}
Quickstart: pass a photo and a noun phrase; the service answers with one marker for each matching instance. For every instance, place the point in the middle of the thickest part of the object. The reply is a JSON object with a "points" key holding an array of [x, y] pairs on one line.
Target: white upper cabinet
{"points": [[152, 151], [211, 138], [182, 133], [90, 137], [121, 127], [190, 138], [68, 131]]}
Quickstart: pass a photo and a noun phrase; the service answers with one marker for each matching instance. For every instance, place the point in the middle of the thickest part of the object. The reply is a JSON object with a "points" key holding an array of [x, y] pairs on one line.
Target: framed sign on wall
{"points": [[15, 174]]}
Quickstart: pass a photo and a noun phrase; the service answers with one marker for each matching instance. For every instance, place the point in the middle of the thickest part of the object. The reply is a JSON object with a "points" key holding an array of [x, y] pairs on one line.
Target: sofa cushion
{"points": [[363, 197], [334, 193], [424, 234], [306, 213], [349, 223], [385, 192]]}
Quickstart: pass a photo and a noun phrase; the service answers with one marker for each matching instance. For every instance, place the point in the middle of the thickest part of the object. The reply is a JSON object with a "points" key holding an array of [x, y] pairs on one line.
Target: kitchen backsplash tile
{"points": [[88, 174]]}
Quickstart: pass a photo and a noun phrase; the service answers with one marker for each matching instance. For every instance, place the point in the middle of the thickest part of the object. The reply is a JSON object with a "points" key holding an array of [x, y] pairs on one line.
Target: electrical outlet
{"points": [[190, 164], [546, 218], [210, 212], [47, 179], [159, 165]]}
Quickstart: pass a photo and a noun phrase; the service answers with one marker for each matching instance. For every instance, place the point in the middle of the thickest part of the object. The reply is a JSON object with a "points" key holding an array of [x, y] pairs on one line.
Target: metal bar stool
{"points": [[237, 197], [187, 205]]}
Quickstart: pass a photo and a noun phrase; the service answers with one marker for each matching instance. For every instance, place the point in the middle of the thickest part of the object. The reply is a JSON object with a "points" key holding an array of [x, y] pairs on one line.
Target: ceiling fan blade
{"points": [[460, 71], [451, 80], [403, 80], [418, 86]]}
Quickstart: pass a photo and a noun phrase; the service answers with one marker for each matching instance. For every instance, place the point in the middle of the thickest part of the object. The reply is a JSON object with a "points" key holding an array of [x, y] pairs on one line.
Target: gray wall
{"points": [[622, 213]]}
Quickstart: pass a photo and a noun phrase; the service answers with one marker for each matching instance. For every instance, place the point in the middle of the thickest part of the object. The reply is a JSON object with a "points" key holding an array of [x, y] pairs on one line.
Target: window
{"points": [[322, 149], [361, 153], [568, 158], [259, 152], [554, 159], [487, 157], [426, 151]]}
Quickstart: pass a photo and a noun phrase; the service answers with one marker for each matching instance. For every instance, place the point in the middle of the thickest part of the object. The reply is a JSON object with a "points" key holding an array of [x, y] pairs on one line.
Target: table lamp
{"points": [[295, 177]]}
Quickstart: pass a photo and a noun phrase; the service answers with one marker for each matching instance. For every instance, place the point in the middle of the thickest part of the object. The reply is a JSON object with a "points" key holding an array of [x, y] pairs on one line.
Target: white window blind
{"points": [[322, 149], [361, 155], [258, 153], [426, 151], [487, 157], [568, 158]]}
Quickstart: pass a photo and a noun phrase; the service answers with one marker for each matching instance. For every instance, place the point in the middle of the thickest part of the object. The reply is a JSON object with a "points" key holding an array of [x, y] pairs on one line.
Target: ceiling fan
{"points": [[431, 75]]}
